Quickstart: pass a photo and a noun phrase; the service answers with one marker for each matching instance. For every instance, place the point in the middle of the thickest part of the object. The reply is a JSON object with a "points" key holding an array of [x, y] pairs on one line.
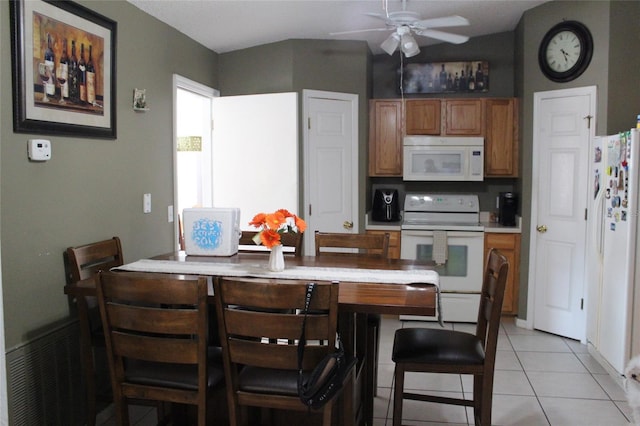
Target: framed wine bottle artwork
{"points": [[64, 68], [445, 77]]}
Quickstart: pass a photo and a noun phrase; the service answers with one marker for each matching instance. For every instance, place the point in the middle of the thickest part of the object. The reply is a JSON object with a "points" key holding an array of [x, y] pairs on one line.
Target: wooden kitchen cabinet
{"points": [[462, 117], [422, 116], [501, 138], [394, 242], [385, 137], [509, 245]]}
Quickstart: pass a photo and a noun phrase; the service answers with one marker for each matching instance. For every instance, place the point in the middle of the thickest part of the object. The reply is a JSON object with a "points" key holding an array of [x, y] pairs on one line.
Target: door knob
{"points": [[542, 229], [347, 224]]}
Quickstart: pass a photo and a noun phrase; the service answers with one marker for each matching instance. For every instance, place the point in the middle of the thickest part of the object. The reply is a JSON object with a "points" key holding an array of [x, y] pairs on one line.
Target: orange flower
{"points": [[270, 238], [273, 225], [276, 220], [258, 220], [300, 224], [285, 212]]}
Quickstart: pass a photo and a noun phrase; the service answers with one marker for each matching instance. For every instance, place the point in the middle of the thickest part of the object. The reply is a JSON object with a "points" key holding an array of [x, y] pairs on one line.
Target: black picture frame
{"points": [[39, 102]]}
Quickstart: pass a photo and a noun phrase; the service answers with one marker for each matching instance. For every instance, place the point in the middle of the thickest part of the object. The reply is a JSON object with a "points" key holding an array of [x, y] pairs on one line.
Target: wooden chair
{"points": [[373, 245], [259, 321], [81, 263], [156, 331], [455, 352], [291, 242]]}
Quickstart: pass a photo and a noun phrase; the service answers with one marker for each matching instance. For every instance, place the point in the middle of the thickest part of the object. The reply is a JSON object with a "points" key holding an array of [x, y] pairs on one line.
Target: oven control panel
{"points": [[454, 203]]}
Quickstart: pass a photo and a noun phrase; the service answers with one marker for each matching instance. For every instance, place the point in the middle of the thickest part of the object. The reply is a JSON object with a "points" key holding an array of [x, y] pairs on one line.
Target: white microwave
{"points": [[443, 158]]}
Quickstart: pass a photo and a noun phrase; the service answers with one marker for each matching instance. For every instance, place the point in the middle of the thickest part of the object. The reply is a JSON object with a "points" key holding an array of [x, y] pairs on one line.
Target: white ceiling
{"points": [[227, 25]]}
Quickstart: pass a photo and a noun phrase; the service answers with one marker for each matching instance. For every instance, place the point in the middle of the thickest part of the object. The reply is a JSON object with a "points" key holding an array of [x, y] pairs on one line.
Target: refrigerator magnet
{"points": [[613, 226]]}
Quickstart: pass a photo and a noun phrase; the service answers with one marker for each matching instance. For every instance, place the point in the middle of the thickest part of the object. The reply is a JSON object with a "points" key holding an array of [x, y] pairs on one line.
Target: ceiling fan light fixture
{"points": [[391, 43], [409, 46]]}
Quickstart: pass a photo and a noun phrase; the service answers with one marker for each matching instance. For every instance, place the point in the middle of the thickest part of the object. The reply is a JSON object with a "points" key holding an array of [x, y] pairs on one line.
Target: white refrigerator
{"points": [[612, 244]]}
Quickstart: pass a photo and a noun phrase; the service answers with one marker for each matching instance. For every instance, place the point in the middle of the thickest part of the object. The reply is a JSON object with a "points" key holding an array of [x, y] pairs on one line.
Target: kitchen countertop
{"points": [[489, 226], [495, 227]]}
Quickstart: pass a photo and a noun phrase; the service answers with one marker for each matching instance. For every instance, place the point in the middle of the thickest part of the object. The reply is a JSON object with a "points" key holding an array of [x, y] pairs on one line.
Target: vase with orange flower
{"points": [[272, 226]]}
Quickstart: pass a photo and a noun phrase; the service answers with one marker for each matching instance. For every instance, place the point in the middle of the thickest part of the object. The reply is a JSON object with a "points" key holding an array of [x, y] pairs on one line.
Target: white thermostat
{"points": [[39, 149]]}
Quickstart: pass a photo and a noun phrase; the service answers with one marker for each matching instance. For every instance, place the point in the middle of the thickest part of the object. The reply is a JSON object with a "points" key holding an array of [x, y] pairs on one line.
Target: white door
{"points": [[330, 163], [564, 124]]}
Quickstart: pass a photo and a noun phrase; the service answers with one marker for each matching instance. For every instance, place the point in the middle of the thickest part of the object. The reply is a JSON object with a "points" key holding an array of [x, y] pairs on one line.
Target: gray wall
{"points": [[623, 104], [91, 189]]}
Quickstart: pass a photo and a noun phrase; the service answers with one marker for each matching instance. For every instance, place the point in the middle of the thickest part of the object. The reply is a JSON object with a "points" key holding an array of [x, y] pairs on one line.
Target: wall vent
{"points": [[45, 380]]}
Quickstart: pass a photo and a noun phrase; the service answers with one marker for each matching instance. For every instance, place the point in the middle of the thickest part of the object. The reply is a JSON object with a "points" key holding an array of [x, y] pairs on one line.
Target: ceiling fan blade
{"points": [[441, 35], [446, 21], [359, 31], [382, 17]]}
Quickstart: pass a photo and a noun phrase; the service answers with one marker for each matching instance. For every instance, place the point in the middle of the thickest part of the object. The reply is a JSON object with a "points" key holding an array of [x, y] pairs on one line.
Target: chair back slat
{"points": [[273, 324], [282, 356], [153, 319], [157, 288], [281, 295], [155, 349], [376, 245]]}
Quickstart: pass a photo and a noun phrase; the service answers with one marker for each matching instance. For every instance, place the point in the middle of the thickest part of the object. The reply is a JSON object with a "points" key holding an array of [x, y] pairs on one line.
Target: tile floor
{"points": [[540, 379]]}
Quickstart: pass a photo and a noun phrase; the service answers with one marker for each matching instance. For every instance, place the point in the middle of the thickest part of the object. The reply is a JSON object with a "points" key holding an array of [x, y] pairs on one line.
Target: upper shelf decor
{"points": [[445, 77], [63, 63]]}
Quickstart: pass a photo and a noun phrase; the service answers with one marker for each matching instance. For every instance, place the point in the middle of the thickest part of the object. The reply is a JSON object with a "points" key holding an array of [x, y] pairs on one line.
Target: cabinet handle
{"points": [[347, 224], [542, 229]]}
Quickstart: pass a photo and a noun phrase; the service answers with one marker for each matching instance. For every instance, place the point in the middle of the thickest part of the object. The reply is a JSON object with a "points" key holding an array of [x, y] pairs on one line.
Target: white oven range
{"points": [[445, 229]]}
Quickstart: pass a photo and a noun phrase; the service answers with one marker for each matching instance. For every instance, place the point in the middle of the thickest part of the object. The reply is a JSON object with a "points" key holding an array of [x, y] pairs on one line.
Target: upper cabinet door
{"points": [[462, 117], [385, 137], [422, 116], [501, 138]]}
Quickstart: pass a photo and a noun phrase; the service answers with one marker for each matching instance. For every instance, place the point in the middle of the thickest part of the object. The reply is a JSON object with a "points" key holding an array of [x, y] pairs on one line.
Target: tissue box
{"points": [[211, 231]]}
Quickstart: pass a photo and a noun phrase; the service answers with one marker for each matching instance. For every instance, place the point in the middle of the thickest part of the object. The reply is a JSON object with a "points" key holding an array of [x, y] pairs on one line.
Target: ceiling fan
{"points": [[405, 22]]}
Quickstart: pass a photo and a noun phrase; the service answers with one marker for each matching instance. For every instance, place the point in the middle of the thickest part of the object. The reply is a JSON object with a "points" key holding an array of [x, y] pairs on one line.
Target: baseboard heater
{"points": [[44, 379]]}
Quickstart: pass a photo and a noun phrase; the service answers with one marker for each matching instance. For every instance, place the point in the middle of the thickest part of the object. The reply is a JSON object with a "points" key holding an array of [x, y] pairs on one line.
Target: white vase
{"points": [[276, 259]]}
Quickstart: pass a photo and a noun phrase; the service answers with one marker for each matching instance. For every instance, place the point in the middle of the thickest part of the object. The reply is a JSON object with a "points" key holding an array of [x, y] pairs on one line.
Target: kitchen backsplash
{"points": [[487, 190]]}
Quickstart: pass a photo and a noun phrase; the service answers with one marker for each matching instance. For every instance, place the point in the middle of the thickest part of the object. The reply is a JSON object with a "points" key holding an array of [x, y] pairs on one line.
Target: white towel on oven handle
{"points": [[440, 247]]}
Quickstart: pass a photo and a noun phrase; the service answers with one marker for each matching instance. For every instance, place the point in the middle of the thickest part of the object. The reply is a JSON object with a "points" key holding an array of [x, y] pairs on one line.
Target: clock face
{"points": [[565, 51]]}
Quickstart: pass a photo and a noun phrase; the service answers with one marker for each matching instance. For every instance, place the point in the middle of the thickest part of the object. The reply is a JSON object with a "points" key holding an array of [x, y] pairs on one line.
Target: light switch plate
{"points": [[146, 203]]}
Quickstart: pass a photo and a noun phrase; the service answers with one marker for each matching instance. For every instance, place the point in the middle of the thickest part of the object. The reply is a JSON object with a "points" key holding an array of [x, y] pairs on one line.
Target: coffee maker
{"points": [[507, 208], [386, 206]]}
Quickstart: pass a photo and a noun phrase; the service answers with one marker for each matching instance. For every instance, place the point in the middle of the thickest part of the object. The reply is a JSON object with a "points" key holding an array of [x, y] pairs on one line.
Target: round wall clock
{"points": [[565, 51]]}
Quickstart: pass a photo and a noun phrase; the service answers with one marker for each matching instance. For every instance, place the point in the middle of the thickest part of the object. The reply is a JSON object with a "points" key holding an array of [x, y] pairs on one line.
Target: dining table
{"points": [[367, 286]]}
